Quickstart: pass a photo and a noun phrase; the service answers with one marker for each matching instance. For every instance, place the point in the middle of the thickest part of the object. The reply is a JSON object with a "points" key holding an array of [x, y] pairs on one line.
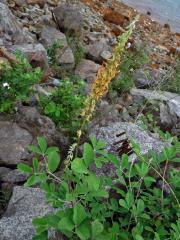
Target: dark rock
{"points": [[14, 176], [38, 125], [69, 18], [3, 172], [25, 205], [14, 141], [168, 120], [141, 79], [35, 53]]}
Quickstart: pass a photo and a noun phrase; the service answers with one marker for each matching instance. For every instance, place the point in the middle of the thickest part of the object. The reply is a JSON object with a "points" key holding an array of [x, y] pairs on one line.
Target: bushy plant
{"points": [[76, 45], [65, 103], [52, 52], [131, 61], [130, 205], [16, 81]]}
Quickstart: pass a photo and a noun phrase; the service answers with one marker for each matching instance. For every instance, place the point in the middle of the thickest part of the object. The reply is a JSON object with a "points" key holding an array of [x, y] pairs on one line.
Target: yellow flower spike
{"points": [[104, 76]]}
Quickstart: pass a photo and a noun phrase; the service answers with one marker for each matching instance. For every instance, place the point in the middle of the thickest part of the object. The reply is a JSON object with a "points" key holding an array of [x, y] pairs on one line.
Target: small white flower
{"points": [[6, 85], [128, 45]]}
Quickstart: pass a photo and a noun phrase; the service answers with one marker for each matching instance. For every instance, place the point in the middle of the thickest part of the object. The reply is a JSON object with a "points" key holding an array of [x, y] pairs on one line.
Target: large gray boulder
{"points": [[14, 141], [25, 205], [172, 100], [131, 131], [30, 119]]}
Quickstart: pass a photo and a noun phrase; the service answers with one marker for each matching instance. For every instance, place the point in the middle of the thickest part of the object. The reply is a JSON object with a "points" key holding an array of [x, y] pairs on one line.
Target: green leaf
{"points": [[140, 206], [129, 199], [41, 236], [93, 140], [31, 181], [79, 214], [144, 169], [83, 231], [97, 228], [100, 145], [175, 160], [42, 144], [88, 154], [100, 193], [93, 181], [124, 161], [25, 168], [34, 149], [35, 164], [149, 180], [53, 161], [138, 237], [79, 166], [52, 149], [123, 203], [66, 224]]}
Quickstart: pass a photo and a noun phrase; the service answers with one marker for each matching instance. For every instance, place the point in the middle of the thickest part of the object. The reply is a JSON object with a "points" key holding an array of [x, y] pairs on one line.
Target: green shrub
{"points": [[52, 52], [131, 61], [129, 206], [65, 104], [77, 47], [16, 81]]}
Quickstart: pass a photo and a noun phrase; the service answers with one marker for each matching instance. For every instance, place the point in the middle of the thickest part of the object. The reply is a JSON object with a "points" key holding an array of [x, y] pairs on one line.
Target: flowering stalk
{"points": [[104, 76]]}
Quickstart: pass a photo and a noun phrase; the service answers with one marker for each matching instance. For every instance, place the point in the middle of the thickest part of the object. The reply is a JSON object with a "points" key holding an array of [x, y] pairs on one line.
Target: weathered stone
{"points": [[25, 205], [65, 57], [50, 34], [69, 17], [3, 172], [38, 125], [13, 143], [171, 99], [10, 29], [35, 53], [133, 132], [105, 55], [95, 50], [14, 176], [141, 79], [168, 121], [87, 70]]}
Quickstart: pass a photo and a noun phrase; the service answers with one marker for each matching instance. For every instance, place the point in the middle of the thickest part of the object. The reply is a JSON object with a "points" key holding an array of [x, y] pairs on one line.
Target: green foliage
{"points": [[130, 206], [65, 104], [76, 46], [16, 81], [131, 61], [52, 52]]}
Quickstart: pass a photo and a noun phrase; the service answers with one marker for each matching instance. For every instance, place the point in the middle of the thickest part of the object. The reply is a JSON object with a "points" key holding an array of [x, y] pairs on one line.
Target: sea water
{"points": [[164, 11]]}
